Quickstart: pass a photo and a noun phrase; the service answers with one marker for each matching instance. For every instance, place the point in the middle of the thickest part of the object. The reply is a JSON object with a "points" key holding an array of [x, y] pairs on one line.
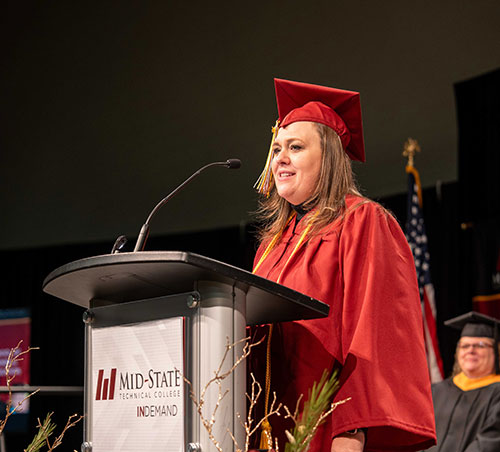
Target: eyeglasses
{"points": [[477, 346]]}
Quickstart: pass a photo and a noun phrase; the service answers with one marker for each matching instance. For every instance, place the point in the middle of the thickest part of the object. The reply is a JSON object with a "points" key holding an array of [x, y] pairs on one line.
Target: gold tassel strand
{"points": [[264, 182]]}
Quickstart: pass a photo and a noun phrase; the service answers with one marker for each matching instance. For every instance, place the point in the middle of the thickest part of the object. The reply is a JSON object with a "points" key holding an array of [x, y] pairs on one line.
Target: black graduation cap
{"points": [[474, 324]]}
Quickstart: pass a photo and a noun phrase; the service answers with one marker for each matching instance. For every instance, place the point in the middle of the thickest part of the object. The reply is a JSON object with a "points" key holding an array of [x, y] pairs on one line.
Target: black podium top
{"points": [[119, 278]]}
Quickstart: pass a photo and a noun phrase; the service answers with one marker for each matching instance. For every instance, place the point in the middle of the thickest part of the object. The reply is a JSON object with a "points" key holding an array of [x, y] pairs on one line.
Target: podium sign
{"points": [[138, 400], [136, 355]]}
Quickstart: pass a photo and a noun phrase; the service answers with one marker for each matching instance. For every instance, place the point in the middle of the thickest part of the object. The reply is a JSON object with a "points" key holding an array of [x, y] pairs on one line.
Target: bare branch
{"points": [[45, 429], [234, 440], [218, 376], [295, 414], [71, 422], [14, 356], [320, 420], [272, 411], [253, 401], [217, 379], [256, 390]]}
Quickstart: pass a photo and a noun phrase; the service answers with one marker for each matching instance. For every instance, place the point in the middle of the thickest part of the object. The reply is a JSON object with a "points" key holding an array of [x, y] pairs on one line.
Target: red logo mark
{"points": [[105, 386]]}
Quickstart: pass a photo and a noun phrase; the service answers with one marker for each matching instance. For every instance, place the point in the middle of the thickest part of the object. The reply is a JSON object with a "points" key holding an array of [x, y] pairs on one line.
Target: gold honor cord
{"points": [[266, 439], [482, 298]]}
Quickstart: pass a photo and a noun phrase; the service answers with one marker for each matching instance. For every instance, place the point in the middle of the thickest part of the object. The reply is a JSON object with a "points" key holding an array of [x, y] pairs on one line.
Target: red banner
{"points": [[15, 326], [486, 236]]}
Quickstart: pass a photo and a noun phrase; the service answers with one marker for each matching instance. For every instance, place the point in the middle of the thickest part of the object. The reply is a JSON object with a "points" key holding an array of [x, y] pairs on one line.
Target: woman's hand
{"points": [[349, 443]]}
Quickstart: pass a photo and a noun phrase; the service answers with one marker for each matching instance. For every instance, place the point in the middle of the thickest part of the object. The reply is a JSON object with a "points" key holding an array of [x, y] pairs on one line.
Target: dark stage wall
{"points": [[105, 107]]}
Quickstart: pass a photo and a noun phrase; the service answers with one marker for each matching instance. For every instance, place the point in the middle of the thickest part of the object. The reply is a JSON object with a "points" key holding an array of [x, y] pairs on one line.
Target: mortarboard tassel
{"points": [[264, 182]]}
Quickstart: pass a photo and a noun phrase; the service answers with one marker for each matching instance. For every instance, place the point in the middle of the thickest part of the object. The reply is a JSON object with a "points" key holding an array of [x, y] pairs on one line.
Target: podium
{"points": [[154, 318]]}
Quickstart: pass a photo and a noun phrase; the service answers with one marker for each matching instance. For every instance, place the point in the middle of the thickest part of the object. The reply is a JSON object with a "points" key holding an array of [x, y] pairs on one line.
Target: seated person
{"points": [[467, 406]]}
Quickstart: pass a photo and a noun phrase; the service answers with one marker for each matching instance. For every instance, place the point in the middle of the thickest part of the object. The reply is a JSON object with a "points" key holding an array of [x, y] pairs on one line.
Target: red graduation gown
{"points": [[363, 268]]}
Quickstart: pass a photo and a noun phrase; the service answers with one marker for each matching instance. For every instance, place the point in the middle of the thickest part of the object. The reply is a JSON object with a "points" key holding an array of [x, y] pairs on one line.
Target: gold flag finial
{"points": [[411, 147]]}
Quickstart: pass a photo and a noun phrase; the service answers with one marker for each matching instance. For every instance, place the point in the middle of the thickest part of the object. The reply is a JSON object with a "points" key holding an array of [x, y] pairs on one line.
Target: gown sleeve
{"points": [[384, 369]]}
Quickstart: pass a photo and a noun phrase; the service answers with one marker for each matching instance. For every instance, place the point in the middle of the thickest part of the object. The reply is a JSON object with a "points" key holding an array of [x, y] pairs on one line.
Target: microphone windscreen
{"points": [[233, 163]]}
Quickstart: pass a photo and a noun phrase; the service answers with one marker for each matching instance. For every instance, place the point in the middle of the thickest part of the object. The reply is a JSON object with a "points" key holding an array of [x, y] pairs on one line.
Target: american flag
{"points": [[417, 238]]}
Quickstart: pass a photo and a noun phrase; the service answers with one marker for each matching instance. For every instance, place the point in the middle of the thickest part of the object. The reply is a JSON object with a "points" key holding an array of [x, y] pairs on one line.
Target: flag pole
{"points": [[417, 239]]}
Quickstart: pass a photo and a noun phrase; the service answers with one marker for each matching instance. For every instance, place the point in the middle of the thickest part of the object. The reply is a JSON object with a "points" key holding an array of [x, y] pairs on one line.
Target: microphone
{"points": [[119, 244], [144, 233], [233, 163]]}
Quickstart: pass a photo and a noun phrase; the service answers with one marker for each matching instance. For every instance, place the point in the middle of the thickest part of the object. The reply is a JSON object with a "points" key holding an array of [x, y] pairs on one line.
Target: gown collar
{"points": [[467, 384], [300, 210]]}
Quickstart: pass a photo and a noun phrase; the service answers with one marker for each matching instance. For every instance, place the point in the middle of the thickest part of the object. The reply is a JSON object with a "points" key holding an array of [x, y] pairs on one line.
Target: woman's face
{"points": [[476, 361], [297, 161]]}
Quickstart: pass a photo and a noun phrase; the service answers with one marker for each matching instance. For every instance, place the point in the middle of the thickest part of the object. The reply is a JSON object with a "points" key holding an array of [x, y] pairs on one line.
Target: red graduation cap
{"points": [[335, 108]]}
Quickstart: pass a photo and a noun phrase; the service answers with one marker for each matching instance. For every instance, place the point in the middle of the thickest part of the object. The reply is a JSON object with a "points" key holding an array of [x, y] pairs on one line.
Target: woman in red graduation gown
{"points": [[322, 238]]}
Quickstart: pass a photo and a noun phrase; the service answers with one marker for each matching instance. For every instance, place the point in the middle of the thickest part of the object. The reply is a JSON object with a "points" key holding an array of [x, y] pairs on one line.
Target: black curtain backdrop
{"points": [[478, 113]]}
